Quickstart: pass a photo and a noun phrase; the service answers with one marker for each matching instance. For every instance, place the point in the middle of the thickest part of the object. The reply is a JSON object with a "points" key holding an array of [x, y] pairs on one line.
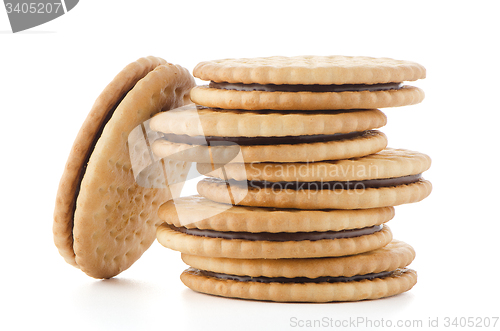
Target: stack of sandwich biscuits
{"points": [[300, 182]]}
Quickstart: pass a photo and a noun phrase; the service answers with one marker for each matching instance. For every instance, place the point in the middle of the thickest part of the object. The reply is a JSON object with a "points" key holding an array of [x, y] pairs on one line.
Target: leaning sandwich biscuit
{"points": [[104, 220]]}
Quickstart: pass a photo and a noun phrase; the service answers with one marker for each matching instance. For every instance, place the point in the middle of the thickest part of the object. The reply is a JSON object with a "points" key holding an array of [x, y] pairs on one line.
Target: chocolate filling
{"points": [[251, 141], [332, 185], [306, 88], [280, 236], [262, 279], [89, 152]]}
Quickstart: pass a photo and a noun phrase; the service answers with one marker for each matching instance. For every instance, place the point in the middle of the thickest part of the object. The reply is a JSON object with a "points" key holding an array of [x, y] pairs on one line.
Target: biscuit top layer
{"points": [[195, 120], [322, 70], [388, 163]]}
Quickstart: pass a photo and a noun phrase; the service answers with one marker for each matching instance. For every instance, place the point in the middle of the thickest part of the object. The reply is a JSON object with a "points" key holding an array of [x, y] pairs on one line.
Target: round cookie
{"points": [[194, 120], [374, 274], [397, 282], [309, 69], [394, 255], [70, 181], [367, 143], [198, 212], [201, 134], [389, 178], [259, 100], [307, 83], [388, 163], [104, 220], [263, 245], [216, 190]]}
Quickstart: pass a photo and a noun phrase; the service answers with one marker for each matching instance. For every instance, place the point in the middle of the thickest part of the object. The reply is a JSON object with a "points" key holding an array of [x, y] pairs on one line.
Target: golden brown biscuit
{"points": [[310, 69], [272, 245], [399, 281], [193, 120], [367, 143], [198, 212], [388, 163], [258, 100], [104, 220], [388, 178], [221, 276], [307, 83], [314, 198], [396, 254]]}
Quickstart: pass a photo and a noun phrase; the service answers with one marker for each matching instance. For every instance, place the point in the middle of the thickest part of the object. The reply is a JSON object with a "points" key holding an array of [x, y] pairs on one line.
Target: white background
{"points": [[50, 76]]}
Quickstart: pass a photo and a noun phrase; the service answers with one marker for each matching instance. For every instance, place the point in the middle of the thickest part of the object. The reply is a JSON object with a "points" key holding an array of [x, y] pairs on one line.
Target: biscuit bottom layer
{"points": [[305, 88], [327, 279], [252, 141], [280, 236]]}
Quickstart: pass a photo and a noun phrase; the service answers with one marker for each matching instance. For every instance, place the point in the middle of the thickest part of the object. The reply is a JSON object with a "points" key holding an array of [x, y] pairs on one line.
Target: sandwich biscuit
{"points": [[196, 212], [371, 275], [104, 220], [341, 233], [206, 135], [307, 83], [388, 178]]}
